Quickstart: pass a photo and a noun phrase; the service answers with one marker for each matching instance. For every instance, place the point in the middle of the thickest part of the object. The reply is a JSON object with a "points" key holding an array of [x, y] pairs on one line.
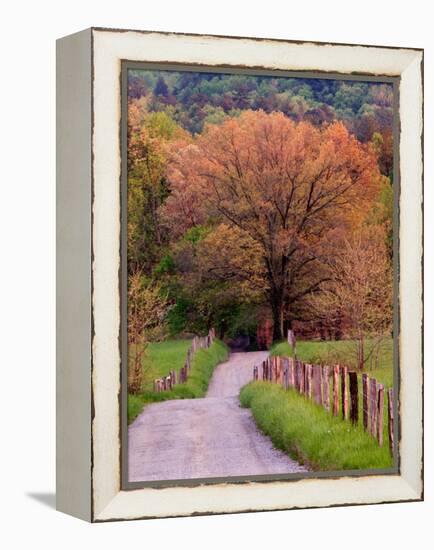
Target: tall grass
{"points": [[170, 355], [332, 352], [308, 433]]}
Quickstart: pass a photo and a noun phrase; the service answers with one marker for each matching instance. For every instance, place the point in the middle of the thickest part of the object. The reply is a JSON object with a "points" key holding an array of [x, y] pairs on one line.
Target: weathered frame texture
{"points": [[89, 230]]}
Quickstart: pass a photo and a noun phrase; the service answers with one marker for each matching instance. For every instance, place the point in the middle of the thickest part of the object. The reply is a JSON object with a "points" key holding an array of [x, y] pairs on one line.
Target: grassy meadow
{"points": [[162, 357]]}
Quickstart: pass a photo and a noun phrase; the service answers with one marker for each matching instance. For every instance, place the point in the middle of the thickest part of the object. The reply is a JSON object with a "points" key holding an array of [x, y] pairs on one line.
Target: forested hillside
{"points": [[259, 201], [194, 99]]}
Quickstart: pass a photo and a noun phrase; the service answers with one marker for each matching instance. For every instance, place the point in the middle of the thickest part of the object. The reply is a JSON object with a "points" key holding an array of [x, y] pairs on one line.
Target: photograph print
{"points": [[259, 265]]}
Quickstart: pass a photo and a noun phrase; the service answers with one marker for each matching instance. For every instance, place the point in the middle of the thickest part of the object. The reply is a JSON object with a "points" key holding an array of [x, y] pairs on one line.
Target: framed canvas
{"points": [[239, 274]]}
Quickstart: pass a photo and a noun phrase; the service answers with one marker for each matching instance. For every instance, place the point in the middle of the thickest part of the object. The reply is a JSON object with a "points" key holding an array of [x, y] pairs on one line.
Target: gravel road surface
{"points": [[202, 438]]}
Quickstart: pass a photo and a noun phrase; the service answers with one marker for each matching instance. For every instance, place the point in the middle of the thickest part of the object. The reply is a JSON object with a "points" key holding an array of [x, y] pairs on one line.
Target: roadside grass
{"points": [[332, 352], [166, 356], [308, 433]]}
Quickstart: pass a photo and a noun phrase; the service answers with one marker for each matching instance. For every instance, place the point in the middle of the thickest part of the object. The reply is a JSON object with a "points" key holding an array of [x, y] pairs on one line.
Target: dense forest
{"points": [[258, 201], [193, 99]]}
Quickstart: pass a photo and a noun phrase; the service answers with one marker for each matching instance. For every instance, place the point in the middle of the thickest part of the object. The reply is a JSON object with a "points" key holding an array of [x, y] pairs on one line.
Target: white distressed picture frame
{"points": [[88, 271]]}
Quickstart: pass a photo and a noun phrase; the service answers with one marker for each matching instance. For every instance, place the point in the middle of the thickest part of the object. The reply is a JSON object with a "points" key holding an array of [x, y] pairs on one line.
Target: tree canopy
{"points": [[243, 191], [284, 188]]}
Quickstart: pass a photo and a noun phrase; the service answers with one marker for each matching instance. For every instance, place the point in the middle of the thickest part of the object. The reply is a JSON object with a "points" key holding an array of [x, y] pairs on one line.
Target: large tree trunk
{"points": [[277, 312]]}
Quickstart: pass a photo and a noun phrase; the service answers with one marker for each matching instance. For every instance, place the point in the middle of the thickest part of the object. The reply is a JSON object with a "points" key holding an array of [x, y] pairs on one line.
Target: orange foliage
{"points": [[287, 186]]}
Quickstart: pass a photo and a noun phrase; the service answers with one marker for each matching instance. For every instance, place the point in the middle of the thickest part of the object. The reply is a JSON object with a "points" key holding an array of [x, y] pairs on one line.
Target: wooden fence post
{"points": [[326, 387], [344, 392], [302, 377], [316, 381], [390, 418], [373, 407], [309, 381], [354, 397], [280, 370], [291, 373], [336, 373], [297, 375], [285, 372], [380, 411], [365, 389]]}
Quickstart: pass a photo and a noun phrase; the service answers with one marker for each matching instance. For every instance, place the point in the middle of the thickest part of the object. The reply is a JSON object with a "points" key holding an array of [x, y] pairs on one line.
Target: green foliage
{"points": [[161, 125], [238, 320], [178, 316], [308, 433], [196, 234], [166, 356], [166, 265]]}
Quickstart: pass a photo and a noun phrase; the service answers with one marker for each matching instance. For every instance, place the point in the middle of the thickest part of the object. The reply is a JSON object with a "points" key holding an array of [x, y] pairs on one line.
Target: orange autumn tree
{"points": [[286, 186]]}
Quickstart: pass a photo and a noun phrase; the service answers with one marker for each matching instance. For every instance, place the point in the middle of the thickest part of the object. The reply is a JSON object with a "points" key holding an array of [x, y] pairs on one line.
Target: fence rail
{"points": [[166, 383], [321, 382]]}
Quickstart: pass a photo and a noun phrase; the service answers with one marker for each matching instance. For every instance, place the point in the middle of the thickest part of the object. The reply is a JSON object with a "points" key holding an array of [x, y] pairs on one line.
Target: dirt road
{"points": [[202, 438]]}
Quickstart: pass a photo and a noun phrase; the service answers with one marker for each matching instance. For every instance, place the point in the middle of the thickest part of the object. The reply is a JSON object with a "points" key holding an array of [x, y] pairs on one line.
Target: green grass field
{"points": [[162, 357], [308, 433], [335, 352]]}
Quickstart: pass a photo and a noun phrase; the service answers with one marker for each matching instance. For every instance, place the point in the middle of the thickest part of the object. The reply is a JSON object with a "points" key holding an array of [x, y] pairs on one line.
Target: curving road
{"points": [[205, 438]]}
